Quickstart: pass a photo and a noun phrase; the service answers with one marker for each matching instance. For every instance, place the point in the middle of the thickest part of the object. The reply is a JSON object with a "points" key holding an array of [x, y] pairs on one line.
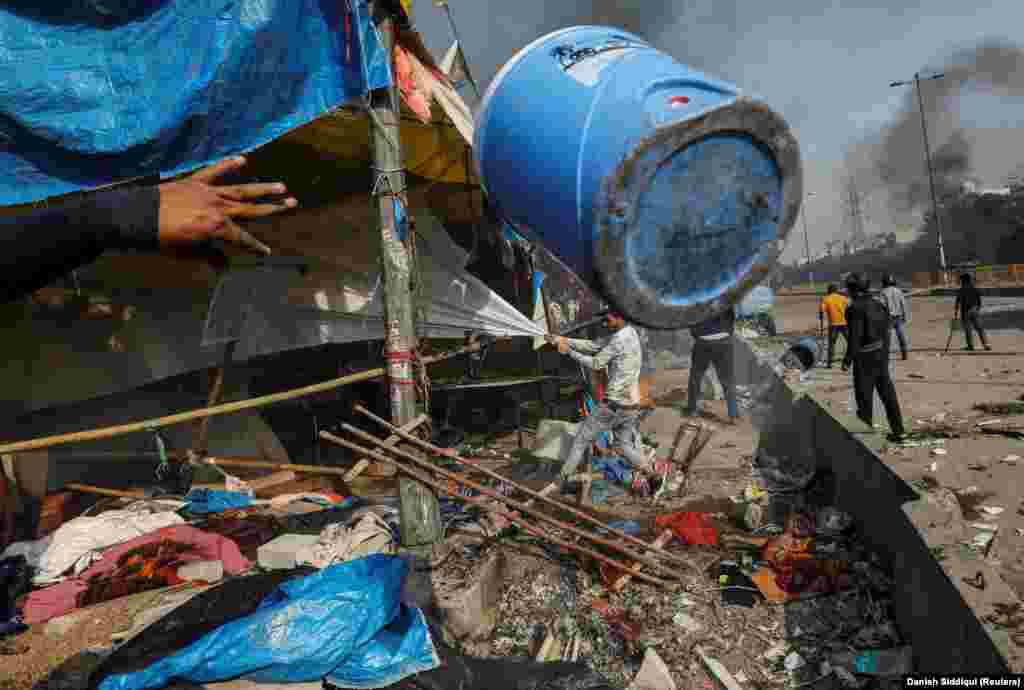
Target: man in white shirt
{"points": [[622, 355]]}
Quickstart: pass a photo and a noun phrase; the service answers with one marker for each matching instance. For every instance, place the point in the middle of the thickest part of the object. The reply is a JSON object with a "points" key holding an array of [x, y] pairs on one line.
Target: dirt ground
{"points": [[938, 388]]}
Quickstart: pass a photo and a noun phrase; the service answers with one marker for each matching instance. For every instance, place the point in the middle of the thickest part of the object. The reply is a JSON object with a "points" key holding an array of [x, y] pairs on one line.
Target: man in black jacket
{"points": [[868, 351], [713, 344], [179, 218], [968, 305]]}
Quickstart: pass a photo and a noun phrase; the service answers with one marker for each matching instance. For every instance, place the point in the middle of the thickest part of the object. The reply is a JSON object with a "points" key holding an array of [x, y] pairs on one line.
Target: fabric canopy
{"points": [[93, 93]]}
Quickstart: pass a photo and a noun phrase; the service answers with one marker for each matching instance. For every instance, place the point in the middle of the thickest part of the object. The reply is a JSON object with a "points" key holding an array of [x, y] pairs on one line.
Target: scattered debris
{"points": [[282, 553], [718, 670], [654, 674], [1014, 407], [978, 581], [793, 661]]}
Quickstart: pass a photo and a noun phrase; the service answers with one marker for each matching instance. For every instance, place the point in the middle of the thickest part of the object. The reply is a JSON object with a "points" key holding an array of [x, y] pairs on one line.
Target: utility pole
{"points": [[420, 513], [928, 164], [858, 239]]}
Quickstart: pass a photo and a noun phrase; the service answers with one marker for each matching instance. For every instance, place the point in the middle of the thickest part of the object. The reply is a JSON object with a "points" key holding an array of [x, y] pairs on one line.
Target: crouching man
{"points": [[622, 356]]}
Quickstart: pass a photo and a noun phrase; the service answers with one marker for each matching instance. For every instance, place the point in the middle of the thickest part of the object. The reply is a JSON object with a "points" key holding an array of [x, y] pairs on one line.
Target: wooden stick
{"points": [[305, 469], [529, 492], [514, 519], [522, 507], [216, 391], [90, 489], [663, 539], [546, 491], [226, 408], [392, 441]]}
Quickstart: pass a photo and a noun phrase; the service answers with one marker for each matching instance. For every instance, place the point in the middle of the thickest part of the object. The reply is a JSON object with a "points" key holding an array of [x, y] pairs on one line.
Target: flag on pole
{"points": [[454, 65]]}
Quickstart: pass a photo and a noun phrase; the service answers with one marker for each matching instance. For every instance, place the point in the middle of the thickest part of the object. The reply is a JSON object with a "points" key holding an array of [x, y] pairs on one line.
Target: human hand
{"points": [[194, 211], [563, 346]]}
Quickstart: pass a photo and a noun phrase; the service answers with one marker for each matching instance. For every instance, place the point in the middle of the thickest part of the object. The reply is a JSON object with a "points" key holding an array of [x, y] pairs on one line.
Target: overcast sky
{"points": [[826, 66]]}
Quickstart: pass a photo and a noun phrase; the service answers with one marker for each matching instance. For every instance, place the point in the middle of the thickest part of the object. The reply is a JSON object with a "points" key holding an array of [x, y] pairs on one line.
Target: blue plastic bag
{"points": [[207, 501], [346, 621], [615, 468]]}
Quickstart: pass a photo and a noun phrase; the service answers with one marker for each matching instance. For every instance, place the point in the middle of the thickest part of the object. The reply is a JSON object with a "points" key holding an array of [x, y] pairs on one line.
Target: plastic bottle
{"points": [[876, 662]]}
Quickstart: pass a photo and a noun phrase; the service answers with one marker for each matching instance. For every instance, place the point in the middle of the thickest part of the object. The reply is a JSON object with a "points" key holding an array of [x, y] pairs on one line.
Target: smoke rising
{"points": [[896, 158]]}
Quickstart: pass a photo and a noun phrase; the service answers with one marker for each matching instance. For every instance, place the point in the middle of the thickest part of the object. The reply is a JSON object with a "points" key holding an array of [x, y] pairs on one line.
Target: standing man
{"points": [[622, 356], [833, 307], [868, 351], [896, 302], [713, 344], [968, 305]]}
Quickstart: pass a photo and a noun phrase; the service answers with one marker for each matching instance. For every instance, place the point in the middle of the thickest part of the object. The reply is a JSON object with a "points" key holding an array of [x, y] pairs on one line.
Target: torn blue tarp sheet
{"points": [[346, 621], [93, 93], [206, 501]]}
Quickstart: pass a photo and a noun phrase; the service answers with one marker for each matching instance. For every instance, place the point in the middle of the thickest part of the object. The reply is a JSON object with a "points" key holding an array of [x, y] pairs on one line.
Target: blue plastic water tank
{"points": [[664, 189]]}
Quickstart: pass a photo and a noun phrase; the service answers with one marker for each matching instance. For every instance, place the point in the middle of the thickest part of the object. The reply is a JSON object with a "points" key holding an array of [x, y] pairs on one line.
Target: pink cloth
{"points": [[411, 83], [44, 604]]}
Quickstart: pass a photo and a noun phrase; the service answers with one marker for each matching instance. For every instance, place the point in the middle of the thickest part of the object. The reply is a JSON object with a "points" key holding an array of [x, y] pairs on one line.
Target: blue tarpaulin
{"points": [[206, 501], [94, 92], [346, 621]]}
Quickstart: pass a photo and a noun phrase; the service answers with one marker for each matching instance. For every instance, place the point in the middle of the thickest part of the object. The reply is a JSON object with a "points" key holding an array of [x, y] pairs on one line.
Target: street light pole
{"points": [[928, 164]]}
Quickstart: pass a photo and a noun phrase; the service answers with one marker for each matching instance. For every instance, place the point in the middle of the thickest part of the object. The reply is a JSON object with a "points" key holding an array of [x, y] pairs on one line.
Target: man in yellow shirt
{"points": [[833, 307]]}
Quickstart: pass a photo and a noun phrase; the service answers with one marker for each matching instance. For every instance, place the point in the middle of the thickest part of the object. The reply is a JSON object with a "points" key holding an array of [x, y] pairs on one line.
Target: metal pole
{"points": [[458, 41], [931, 179], [420, 514]]}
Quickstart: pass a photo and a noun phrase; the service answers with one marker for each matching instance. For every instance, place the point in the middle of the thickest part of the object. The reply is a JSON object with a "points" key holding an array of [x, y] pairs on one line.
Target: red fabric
{"points": [[44, 604], [692, 528], [411, 87]]}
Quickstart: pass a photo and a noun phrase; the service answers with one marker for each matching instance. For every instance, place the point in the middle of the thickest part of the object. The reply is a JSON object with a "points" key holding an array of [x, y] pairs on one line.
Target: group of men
{"points": [[622, 357], [866, 324], [865, 321]]}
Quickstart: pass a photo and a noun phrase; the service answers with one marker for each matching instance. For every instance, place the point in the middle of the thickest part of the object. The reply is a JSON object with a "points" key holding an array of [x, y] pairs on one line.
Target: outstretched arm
{"points": [[42, 245], [600, 359]]}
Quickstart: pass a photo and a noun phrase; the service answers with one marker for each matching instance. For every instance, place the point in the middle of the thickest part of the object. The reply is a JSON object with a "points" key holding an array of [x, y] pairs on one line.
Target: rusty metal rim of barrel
{"points": [[769, 130]]}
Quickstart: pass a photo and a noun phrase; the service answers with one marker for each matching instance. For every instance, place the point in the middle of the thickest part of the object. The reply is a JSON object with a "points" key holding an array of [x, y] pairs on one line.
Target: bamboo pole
{"points": [[99, 491], [281, 466], [225, 408], [514, 519], [517, 505], [529, 492]]}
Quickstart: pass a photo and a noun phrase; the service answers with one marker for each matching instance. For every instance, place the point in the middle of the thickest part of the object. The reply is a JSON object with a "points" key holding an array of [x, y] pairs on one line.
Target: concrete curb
{"points": [[945, 633]]}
